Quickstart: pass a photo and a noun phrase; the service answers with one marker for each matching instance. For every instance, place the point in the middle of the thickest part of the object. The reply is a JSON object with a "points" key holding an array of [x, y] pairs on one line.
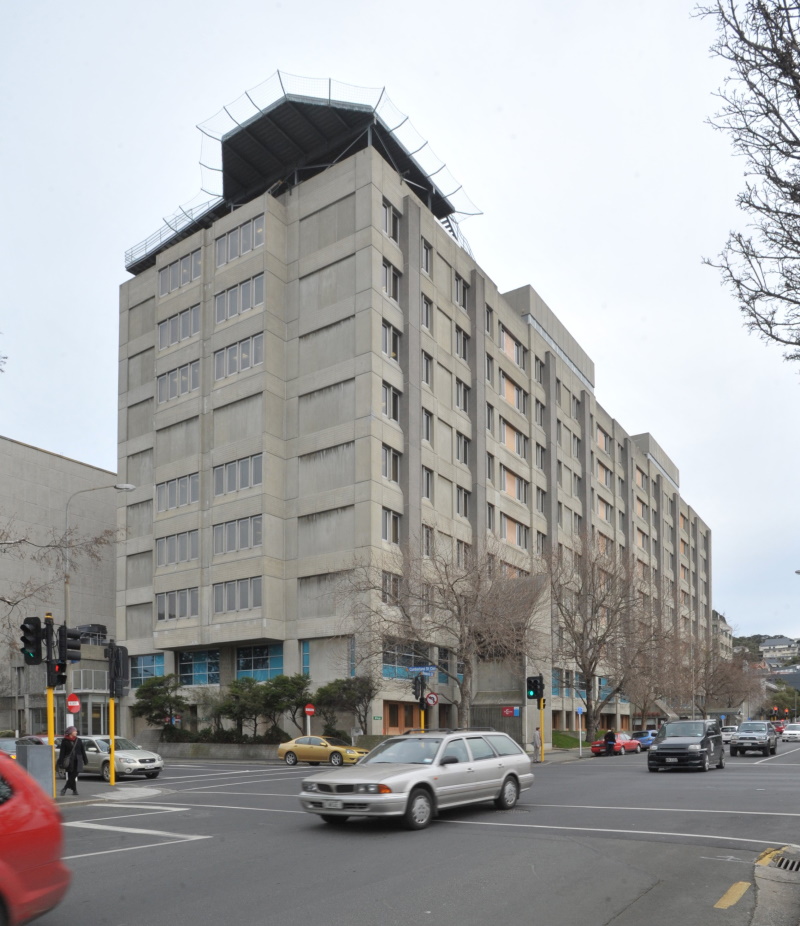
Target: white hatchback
{"points": [[791, 733], [727, 733]]}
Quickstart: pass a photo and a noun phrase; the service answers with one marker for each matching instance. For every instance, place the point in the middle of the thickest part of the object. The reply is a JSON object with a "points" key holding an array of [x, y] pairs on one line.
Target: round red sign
{"points": [[73, 703], [309, 709]]}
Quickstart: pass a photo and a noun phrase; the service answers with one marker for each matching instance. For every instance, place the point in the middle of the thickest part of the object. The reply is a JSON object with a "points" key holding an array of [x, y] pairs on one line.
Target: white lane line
{"points": [[149, 845], [233, 784], [148, 811], [167, 838], [754, 813]]}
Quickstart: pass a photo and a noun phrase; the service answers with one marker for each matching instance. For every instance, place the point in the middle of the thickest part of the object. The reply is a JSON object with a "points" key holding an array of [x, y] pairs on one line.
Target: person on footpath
{"points": [[537, 746], [610, 739], [71, 758]]}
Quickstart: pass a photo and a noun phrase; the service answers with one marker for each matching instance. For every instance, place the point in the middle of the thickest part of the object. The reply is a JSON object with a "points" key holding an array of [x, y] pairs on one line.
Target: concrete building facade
{"points": [[314, 366]]}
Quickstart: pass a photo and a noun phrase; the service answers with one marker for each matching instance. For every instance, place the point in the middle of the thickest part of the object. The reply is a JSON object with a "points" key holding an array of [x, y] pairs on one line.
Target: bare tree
{"points": [[761, 115], [607, 620], [453, 597]]}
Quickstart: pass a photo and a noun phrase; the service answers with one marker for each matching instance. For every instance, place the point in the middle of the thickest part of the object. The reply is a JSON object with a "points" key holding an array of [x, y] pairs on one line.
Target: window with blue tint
{"points": [[604, 688], [199, 668], [144, 667], [580, 686], [259, 662], [398, 657], [445, 666], [305, 656], [351, 656], [555, 685]]}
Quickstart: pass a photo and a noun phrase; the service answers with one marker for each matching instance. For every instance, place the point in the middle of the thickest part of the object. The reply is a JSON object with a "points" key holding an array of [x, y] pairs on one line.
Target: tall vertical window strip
{"points": [[178, 382], [390, 399], [426, 313], [237, 595], [426, 259], [239, 357], [460, 290], [240, 240], [185, 602], [145, 667], [238, 474], [199, 668], [179, 273], [305, 657], [239, 299], [178, 492], [390, 220], [179, 327], [259, 662], [390, 281], [390, 525], [390, 463]]}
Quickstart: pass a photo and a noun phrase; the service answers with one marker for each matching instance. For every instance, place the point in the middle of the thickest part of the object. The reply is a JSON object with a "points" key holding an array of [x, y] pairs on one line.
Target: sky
{"points": [[578, 129]]}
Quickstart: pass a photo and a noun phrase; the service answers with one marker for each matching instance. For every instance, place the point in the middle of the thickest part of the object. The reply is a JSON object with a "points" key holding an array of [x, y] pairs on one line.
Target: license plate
{"points": [[671, 760], [333, 805]]}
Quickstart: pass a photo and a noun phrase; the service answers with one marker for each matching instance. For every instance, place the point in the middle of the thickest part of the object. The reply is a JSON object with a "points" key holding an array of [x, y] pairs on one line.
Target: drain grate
{"points": [[787, 864]]}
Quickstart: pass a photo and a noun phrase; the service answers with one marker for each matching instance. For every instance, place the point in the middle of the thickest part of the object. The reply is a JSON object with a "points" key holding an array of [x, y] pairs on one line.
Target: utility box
{"points": [[38, 763]]}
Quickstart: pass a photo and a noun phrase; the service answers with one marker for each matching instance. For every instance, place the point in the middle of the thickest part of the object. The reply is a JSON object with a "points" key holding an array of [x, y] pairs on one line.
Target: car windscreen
{"points": [[409, 750], [682, 728], [119, 743], [752, 727]]}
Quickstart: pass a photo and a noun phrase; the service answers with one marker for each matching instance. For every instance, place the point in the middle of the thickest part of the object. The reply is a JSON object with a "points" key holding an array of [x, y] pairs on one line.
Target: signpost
{"points": [[431, 699], [579, 712], [309, 712], [73, 703], [428, 671]]}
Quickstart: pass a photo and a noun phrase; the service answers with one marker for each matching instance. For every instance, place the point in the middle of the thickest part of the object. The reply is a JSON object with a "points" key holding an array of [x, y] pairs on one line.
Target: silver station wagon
{"points": [[416, 775]]}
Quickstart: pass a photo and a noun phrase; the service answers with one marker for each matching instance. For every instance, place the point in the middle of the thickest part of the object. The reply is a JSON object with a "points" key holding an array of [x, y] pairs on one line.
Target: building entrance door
{"points": [[399, 716]]}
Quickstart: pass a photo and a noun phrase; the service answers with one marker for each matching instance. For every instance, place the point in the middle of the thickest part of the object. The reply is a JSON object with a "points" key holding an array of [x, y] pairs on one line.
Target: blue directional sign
{"points": [[428, 671]]}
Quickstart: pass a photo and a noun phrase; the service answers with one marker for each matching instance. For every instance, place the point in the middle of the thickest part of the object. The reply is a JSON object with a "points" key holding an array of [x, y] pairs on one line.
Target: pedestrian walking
{"points": [[537, 746], [610, 739], [71, 758]]}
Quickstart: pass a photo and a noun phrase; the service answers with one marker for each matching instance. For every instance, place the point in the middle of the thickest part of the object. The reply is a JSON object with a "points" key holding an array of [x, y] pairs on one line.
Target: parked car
{"points": [[622, 744], [687, 744], [33, 879], [645, 738], [317, 749], [755, 734], [130, 759], [8, 745], [778, 724], [727, 733], [414, 776], [791, 733]]}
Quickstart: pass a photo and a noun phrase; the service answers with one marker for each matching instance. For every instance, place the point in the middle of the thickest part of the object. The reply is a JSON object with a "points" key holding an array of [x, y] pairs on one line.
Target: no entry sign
{"points": [[309, 709], [73, 703]]}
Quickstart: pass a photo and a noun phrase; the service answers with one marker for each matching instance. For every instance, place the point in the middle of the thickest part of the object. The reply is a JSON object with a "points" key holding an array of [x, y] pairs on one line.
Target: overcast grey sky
{"points": [[577, 128]]}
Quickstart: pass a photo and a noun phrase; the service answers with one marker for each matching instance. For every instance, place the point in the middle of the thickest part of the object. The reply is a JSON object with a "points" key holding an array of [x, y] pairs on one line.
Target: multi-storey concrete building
{"points": [[313, 364]]}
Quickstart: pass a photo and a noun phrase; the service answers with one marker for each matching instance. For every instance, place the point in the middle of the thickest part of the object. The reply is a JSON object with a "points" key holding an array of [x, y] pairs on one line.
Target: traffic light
{"points": [[419, 686], [534, 685], [69, 644], [31, 638], [56, 674], [423, 705], [118, 669]]}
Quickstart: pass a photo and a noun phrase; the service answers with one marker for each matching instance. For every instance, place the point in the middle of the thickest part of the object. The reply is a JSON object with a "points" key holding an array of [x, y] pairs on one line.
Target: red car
{"points": [[32, 877], [779, 726], [622, 744]]}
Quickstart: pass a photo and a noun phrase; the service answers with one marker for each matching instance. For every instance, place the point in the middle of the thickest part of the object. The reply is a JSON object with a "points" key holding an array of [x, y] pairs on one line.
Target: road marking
{"points": [[733, 895], [232, 785], [753, 813], [171, 838], [768, 855]]}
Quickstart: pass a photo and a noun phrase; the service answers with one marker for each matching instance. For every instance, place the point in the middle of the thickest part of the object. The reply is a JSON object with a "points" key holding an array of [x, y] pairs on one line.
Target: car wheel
{"points": [[105, 771], [508, 795], [151, 774], [336, 758], [705, 766], [651, 768], [290, 758], [333, 819], [638, 749], [765, 751], [775, 749], [734, 752], [419, 810], [721, 763]]}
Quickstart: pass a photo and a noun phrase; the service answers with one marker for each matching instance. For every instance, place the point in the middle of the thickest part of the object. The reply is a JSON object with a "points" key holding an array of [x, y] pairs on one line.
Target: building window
{"points": [[390, 463], [390, 399], [239, 299], [390, 588], [305, 657], [199, 668], [490, 467], [259, 662], [643, 512], [576, 407], [178, 382], [460, 290], [462, 396], [511, 347], [427, 425], [426, 313], [489, 368], [642, 541], [427, 483], [390, 525], [390, 341], [427, 540], [462, 448], [391, 221], [179, 273], [178, 492], [604, 475], [513, 394], [603, 439], [238, 474], [462, 343], [538, 413], [489, 320], [239, 357], [462, 501], [462, 553], [179, 327], [513, 532], [489, 418], [541, 495], [238, 595], [426, 258], [398, 658], [390, 281], [177, 548], [541, 540], [240, 241], [641, 481], [242, 534], [540, 456], [145, 667], [490, 517], [576, 485], [538, 370], [427, 369], [576, 446], [604, 510], [182, 603]]}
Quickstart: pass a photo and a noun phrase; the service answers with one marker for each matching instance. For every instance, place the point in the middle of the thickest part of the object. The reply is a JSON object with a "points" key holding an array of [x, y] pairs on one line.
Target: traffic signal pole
{"points": [[50, 692]]}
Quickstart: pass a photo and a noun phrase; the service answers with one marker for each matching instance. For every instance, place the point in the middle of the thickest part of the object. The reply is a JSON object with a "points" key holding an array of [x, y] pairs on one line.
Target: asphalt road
{"points": [[598, 841]]}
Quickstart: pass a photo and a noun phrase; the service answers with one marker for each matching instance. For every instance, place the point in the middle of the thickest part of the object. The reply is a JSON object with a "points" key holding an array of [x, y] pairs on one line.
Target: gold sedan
{"points": [[318, 749]]}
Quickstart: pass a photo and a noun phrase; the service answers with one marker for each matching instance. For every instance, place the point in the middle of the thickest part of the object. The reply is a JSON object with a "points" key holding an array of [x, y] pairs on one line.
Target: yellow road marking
{"points": [[767, 856], [733, 895]]}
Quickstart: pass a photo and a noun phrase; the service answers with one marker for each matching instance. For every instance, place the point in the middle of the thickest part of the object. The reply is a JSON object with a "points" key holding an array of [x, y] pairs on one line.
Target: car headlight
{"points": [[654, 748], [125, 761], [309, 786], [158, 758], [367, 789], [695, 747], [350, 752]]}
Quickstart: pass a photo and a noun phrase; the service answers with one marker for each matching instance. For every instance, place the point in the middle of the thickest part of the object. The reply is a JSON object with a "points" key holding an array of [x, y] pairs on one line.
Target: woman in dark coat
{"points": [[72, 758]]}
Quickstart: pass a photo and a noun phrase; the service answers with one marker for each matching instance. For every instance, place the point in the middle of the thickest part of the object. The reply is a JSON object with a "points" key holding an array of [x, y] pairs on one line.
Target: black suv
{"points": [[687, 744]]}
